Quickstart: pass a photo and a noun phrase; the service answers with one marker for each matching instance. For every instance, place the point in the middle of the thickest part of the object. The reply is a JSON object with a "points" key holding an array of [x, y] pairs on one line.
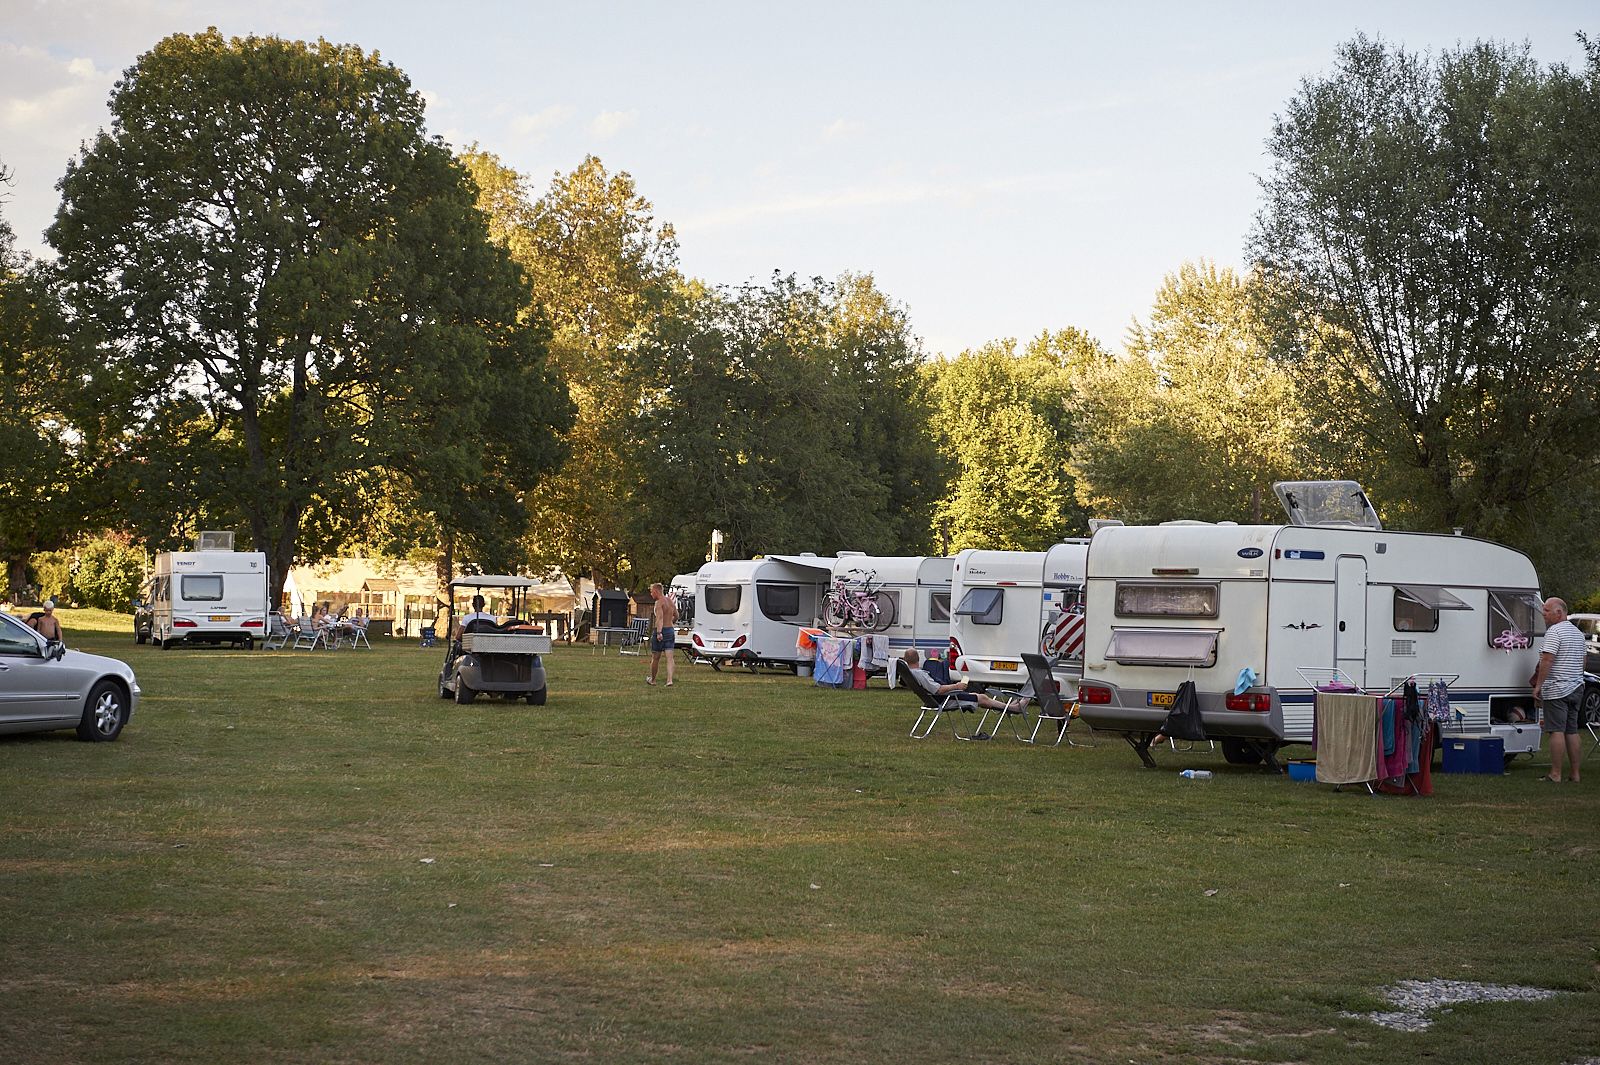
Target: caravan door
{"points": [[1350, 611]]}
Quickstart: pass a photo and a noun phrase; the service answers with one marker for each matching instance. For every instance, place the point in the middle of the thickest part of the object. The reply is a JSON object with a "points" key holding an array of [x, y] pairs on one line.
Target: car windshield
{"points": [[15, 637]]}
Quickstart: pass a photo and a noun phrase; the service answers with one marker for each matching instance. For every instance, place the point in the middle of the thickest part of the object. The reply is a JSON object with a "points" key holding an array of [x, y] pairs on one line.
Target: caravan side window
{"points": [[722, 599], [1515, 618], [1149, 600], [201, 588], [1417, 606], [780, 602], [985, 606], [939, 606]]}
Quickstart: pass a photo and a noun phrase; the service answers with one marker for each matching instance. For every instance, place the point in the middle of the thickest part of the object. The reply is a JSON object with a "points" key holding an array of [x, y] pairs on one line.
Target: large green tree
{"points": [[785, 415], [42, 469], [292, 276], [1002, 421], [1196, 421], [1429, 236], [600, 270]]}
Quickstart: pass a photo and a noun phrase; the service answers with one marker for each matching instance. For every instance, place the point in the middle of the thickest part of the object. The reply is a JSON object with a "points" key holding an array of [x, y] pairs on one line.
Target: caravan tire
{"points": [[1237, 752]]}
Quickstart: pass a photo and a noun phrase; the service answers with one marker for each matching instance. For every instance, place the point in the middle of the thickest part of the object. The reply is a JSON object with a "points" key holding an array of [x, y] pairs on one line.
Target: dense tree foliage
{"points": [[785, 415], [1001, 419], [1196, 421], [295, 289], [600, 270], [44, 484], [1429, 236]]}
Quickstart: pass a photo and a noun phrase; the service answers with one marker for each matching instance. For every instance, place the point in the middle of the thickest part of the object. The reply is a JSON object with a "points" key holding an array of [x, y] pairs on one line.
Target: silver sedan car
{"points": [[44, 686]]}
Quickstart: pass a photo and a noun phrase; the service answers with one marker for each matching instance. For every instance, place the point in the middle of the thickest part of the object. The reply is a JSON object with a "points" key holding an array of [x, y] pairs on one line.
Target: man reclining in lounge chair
{"points": [[932, 690]]}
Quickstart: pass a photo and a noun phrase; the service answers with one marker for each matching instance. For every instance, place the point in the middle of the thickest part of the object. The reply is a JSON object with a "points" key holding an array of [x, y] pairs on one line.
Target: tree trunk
{"points": [[16, 577]]}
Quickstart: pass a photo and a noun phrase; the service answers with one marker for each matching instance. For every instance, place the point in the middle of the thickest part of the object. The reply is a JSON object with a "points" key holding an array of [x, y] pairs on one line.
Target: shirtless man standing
{"points": [[664, 632]]}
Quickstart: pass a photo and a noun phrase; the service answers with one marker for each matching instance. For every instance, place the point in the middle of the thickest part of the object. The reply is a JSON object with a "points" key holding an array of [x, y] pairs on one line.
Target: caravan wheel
{"points": [[1237, 752]]}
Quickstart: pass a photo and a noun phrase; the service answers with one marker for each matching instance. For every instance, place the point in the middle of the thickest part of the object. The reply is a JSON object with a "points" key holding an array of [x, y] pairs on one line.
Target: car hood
{"points": [[99, 664]]}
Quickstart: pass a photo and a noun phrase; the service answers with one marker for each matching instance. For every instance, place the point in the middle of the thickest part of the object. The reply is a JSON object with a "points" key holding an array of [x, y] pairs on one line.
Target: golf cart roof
{"points": [[493, 580]]}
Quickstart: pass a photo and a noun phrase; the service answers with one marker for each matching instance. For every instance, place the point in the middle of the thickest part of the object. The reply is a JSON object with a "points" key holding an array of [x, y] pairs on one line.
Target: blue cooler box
{"points": [[1475, 754]]}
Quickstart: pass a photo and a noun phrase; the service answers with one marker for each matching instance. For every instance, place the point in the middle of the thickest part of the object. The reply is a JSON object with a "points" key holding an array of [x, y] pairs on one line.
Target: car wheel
{"points": [[537, 698], [104, 714], [1237, 752], [1591, 705], [464, 694]]}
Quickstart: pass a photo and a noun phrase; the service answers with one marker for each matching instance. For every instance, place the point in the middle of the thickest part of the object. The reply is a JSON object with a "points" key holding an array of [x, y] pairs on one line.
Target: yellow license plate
{"points": [[1003, 667], [1162, 698], [220, 617]]}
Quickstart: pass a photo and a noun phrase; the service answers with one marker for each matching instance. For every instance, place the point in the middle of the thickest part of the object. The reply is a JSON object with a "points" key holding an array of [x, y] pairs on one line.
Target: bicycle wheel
{"points": [[883, 611], [834, 615]]}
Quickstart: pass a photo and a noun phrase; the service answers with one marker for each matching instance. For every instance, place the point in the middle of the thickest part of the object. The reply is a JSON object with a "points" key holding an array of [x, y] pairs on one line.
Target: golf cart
{"points": [[496, 658]]}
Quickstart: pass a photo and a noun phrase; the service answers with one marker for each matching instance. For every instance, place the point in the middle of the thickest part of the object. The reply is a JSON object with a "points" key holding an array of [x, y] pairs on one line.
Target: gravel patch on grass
{"points": [[1414, 1000]]}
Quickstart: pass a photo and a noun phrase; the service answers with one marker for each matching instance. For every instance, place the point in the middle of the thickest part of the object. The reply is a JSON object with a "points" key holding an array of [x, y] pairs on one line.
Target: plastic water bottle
{"points": [[1196, 774]]}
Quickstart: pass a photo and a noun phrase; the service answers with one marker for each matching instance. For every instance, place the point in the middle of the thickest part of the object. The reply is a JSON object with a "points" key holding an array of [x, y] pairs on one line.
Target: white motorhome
{"points": [[751, 611], [1330, 595], [209, 595], [998, 598], [915, 589]]}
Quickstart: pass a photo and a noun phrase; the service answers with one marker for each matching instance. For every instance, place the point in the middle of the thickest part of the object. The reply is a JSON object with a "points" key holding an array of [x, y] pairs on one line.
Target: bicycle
{"points": [[849, 606]]}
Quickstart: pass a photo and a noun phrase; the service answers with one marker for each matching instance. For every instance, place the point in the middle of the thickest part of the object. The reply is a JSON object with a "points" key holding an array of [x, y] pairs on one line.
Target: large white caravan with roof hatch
{"points": [[1330, 595], [913, 594], [751, 611], [208, 597]]}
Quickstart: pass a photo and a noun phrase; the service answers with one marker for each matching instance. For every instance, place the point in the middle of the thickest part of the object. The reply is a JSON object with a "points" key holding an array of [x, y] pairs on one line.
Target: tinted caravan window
{"points": [[722, 599], [780, 602], [201, 588]]}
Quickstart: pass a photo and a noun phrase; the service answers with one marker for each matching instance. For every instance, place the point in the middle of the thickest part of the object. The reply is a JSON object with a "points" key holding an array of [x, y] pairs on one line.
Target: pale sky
{"points": [[1000, 168]]}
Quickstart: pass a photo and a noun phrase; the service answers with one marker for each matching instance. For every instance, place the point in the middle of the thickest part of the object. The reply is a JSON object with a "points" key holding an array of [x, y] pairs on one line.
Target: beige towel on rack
{"points": [[1347, 749]]}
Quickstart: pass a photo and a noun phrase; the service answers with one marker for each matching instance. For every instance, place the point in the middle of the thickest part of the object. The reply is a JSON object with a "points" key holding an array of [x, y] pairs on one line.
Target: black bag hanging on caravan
{"points": [[1183, 720]]}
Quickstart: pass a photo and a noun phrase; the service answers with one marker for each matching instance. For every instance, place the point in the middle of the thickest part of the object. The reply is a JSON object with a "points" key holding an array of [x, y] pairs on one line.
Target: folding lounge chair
{"points": [[277, 633], [306, 636], [932, 707], [634, 639], [358, 637], [1013, 707], [1048, 694]]}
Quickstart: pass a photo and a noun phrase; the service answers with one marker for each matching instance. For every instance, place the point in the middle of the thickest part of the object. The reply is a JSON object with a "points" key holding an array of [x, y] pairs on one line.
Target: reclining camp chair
{"points": [[934, 705], [306, 635], [358, 635], [277, 632], [1048, 694]]}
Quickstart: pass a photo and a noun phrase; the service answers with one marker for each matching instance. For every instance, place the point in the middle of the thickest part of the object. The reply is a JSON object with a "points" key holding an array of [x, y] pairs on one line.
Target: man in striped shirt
{"points": [[1558, 682]]}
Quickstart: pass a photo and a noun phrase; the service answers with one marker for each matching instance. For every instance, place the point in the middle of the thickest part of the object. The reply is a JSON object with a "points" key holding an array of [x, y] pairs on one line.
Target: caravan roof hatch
{"points": [[1338, 503]]}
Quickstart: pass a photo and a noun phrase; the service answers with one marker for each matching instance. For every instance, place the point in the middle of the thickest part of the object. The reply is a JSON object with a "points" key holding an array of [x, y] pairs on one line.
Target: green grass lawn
{"points": [[309, 857]]}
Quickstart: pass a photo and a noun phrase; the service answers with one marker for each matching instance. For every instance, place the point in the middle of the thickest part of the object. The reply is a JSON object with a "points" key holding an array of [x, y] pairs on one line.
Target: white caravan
{"points": [[751, 611], [998, 610], [209, 597], [1332, 591], [914, 596], [1061, 622]]}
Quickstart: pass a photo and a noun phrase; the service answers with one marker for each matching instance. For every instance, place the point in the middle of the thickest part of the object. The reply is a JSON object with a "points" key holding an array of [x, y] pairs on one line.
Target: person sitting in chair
{"points": [[932, 689]]}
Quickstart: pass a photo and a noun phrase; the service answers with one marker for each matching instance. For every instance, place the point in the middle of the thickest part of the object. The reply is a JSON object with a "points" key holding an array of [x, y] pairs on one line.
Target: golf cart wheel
{"points": [[141, 636], [464, 694], [249, 643], [104, 713], [444, 693], [537, 698]]}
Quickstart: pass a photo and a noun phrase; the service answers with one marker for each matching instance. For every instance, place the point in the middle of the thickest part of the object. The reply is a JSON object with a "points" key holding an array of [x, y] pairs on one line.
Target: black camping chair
{"points": [[1047, 692]]}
